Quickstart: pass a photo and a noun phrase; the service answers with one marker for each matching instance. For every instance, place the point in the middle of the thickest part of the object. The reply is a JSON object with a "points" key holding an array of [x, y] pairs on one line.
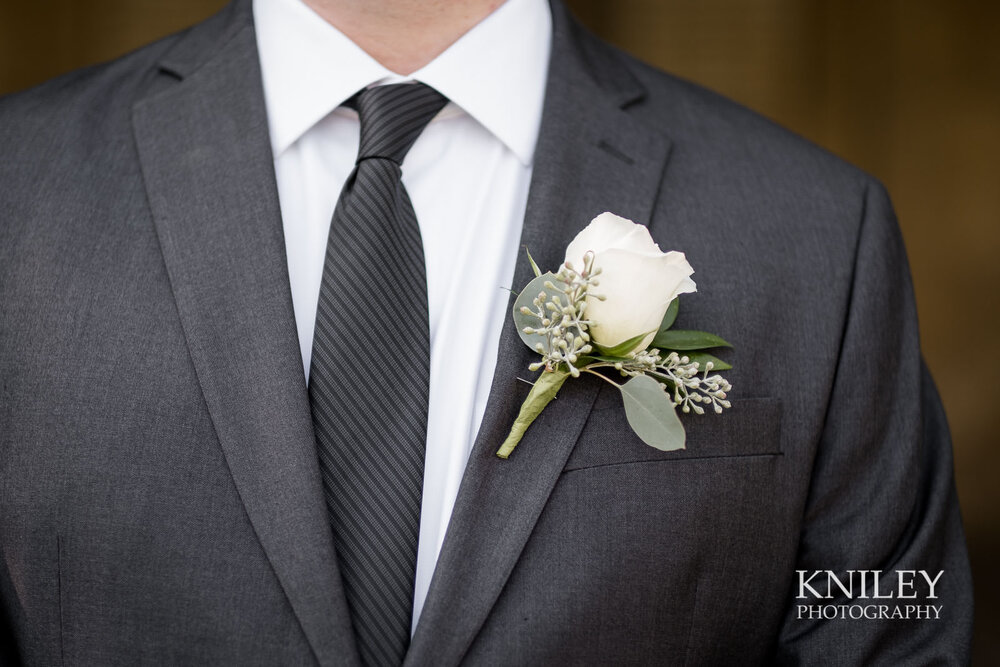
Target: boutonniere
{"points": [[608, 312]]}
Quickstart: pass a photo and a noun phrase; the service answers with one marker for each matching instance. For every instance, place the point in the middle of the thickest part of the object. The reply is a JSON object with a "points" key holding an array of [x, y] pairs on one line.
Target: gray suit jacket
{"points": [[160, 501]]}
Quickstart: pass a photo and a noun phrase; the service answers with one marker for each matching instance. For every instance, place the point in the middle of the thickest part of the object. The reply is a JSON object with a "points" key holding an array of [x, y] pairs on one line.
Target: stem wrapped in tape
{"points": [[541, 394]]}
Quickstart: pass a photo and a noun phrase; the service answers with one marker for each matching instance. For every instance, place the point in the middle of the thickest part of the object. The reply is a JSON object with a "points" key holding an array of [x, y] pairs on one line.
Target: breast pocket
{"points": [[751, 427]]}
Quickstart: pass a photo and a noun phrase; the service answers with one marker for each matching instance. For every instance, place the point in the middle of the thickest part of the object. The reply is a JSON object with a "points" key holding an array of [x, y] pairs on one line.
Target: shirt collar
{"points": [[495, 72]]}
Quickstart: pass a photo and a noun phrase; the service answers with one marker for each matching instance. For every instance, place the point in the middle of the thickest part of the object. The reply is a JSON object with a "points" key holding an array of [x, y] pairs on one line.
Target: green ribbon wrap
{"points": [[541, 394]]}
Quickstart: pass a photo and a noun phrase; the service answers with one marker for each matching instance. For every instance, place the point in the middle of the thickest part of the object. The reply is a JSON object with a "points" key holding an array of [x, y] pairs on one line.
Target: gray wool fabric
{"points": [[161, 500], [371, 425]]}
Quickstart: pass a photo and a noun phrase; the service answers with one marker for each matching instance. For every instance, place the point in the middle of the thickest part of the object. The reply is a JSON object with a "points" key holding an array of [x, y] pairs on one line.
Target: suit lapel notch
{"points": [[592, 156], [206, 160]]}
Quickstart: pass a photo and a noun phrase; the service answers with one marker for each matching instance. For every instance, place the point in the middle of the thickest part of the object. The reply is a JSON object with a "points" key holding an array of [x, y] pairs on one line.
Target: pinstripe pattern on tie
{"points": [[369, 376]]}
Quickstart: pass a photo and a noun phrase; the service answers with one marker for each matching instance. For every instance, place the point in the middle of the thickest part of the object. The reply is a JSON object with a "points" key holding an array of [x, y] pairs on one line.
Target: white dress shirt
{"points": [[467, 176]]}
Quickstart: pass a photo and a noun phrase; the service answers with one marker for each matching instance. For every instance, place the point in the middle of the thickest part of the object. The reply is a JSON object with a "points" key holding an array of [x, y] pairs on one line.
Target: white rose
{"points": [[637, 280]]}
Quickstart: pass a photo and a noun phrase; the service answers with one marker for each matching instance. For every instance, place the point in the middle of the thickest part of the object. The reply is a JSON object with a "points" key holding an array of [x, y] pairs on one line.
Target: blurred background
{"points": [[907, 89]]}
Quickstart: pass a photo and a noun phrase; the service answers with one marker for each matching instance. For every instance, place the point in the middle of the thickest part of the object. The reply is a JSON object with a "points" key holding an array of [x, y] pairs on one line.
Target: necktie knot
{"points": [[393, 116]]}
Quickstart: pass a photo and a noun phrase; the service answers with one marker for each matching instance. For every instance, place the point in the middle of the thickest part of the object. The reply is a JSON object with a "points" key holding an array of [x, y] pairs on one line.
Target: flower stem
{"points": [[604, 377], [541, 394]]}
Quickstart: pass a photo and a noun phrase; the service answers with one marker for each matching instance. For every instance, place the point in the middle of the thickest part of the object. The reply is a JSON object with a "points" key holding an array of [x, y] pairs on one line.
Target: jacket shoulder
{"points": [[705, 123], [84, 96], [80, 109], [733, 172]]}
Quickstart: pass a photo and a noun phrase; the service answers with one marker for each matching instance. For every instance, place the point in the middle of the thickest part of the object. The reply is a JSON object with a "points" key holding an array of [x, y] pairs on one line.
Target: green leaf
{"points": [[525, 298], [623, 348], [703, 358], [592, 358], [687, 340], [671, 315], [534, 267], [651, 414]]}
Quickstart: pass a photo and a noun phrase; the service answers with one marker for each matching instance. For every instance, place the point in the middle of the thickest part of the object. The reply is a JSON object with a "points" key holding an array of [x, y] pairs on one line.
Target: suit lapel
{"points": [[591, 157], [206, 159]]}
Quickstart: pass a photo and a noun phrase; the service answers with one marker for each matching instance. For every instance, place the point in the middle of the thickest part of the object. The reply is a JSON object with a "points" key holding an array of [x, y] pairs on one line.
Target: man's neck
{"points": [[403, 35]]}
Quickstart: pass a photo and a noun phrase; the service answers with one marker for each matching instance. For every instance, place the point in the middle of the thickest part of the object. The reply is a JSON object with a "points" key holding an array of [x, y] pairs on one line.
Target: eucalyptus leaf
{"points": [[687, 340], [703, 358], [651, 414], [671, 315], [623, 348], [525, 299]]}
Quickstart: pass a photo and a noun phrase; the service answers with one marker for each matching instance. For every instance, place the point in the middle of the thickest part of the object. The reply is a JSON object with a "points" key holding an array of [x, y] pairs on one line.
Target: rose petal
{"points": [[637, 288], [637, 240], [602, 232]]}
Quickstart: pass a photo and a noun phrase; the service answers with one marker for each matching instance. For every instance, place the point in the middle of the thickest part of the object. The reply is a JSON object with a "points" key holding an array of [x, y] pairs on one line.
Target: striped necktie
{"points": [[369, 377]]}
